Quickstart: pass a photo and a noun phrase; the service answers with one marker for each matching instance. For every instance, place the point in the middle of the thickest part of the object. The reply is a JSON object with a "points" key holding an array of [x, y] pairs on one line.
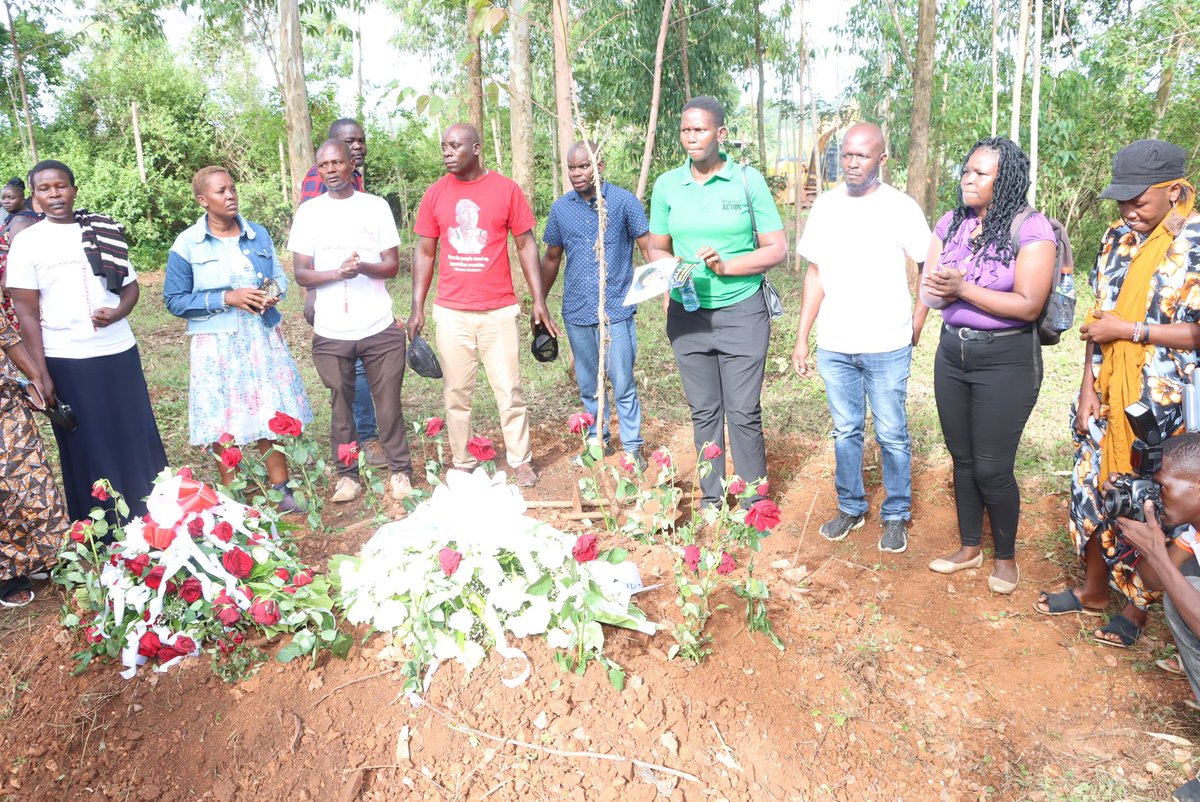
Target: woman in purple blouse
{"points": [[991, 284]]}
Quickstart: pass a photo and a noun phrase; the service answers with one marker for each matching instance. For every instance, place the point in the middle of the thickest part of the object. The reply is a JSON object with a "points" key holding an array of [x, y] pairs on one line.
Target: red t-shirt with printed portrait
{"points": [[471, 221]]}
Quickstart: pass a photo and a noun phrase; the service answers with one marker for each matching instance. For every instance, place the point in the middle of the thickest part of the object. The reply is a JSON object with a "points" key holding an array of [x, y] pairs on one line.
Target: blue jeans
{"points": [[365, 424], [851, 380], [621, 353]]}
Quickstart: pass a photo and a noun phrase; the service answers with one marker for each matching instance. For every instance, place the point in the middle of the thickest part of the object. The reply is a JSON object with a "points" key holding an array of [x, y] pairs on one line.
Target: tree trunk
{"points": [[885, 110], [137, 140], [1014, 129], [995, 66], [1035, 102], [936, 146], [922, 105], [283, 175], [295, 94], [520, 103], [818, 151], [655, 92], [560, 19], [683, 51], [357, 56], [474, 72], [762, 87], [1162, 97], [20, 62]]}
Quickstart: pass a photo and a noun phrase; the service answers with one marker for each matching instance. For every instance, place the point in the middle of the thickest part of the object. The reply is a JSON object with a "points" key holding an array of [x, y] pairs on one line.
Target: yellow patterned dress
{"points": [[33, 520], [1174, 298]]}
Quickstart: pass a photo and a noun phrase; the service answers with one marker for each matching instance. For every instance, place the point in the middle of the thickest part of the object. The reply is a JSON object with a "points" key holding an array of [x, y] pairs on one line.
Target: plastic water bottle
{"points": [[1191, 405], [687, 295], [1063, 317]]}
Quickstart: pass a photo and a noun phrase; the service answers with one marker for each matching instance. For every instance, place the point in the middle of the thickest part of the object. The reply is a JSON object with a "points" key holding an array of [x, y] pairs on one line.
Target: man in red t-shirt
{"points": [[463, 223]]}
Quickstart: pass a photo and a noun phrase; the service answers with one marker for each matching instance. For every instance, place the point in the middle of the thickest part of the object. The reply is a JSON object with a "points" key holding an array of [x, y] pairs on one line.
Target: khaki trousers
{"points": [[493, 337]]}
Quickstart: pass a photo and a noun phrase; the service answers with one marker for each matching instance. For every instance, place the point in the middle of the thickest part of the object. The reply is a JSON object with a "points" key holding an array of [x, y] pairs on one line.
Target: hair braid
{"points": [[1009, 191]]}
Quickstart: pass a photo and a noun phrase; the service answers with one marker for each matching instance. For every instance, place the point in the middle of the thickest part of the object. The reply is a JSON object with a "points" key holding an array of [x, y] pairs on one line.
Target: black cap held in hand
{"points": [[1142, 164], [545, 345], [422, 359]]}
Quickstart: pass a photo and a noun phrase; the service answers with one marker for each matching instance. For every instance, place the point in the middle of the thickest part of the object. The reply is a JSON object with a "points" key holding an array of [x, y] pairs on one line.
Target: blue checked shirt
{"points": [[573, 225]]}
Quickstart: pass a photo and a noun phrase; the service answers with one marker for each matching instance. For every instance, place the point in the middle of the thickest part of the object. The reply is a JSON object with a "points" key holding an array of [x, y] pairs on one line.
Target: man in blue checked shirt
{"points": [[573, 226]]}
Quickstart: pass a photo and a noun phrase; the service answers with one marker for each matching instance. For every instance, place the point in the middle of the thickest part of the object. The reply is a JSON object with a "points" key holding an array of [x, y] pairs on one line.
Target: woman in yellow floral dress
{"points": [[1141, 346], [33, 521]]}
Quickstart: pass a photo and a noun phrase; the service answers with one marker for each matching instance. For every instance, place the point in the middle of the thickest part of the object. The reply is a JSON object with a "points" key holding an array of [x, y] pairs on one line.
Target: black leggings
{"points": [[985, 392]]}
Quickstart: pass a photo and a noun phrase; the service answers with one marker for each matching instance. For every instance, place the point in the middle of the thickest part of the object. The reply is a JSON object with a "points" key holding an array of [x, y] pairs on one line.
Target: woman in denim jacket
{"points": [[224, 278]]}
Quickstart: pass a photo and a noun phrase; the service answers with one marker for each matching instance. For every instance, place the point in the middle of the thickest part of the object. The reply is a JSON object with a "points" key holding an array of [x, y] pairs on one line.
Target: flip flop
{"points": [[12, 587], [1064, 602], [1171, 666], [1123, 628]]}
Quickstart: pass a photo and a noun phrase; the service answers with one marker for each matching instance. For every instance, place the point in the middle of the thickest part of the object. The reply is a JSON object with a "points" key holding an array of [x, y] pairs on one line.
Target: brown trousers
{"points": [[382, 355]]}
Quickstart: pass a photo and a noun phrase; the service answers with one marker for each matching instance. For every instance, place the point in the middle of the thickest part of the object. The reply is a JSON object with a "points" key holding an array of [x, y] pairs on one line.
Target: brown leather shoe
{"points": [[525, 475], [374, 451]]}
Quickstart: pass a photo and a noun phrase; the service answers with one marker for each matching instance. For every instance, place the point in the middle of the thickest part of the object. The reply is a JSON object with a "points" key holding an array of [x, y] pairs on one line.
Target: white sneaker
{"points": [[347, 489], [401, 486]]}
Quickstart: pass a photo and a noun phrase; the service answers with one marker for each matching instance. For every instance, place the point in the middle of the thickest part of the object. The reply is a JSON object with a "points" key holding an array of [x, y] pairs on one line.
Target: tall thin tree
{"points": [[760, 106], [19, 60], [560, 30], [520, 102], [1035, 102], [474, 68], [995, 66], [922, 104], [1014, 129], [655, 96], [295, 94]]}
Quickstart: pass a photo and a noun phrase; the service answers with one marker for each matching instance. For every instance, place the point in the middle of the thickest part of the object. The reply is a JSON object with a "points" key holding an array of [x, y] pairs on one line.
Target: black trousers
{"points": [[985, 392]]}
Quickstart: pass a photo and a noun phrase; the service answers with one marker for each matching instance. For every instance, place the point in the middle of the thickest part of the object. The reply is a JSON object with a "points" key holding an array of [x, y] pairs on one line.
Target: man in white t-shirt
{"points": [[855, 241], [344, 245]]}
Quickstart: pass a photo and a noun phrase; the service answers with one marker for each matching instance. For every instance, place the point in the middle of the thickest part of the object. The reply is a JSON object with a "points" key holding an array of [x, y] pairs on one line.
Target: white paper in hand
{"points": [[651, 279]]}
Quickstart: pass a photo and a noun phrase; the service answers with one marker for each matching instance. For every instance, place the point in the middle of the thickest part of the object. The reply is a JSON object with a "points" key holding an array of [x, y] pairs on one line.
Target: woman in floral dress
{"points": [[1141, 346], [242, 374]]}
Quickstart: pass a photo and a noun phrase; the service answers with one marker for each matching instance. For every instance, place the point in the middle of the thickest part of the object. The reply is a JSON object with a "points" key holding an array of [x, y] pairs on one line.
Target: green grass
{"points": [[791, 406]]}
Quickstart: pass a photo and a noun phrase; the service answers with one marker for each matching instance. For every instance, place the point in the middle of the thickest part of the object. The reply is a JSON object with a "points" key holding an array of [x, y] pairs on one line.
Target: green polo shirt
{"points": [[713, 214]]}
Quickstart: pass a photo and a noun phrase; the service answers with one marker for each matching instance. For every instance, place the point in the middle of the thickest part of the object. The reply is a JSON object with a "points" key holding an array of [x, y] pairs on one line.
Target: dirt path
{"points": [[896, 684]]}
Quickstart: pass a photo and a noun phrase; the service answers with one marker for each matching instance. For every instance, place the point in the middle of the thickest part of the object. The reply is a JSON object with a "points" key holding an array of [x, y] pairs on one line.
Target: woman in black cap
{"points": [[1141, 346]]}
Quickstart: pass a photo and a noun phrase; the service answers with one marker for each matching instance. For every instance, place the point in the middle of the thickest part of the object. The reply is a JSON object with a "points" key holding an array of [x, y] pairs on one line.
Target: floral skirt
{"points": [[33, 521], [239, 380]]}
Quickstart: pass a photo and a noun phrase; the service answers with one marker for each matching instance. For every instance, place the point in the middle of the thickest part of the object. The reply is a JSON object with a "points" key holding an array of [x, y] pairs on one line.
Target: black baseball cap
{"points": [[422, 359], [545, 345], [1142, 164]]}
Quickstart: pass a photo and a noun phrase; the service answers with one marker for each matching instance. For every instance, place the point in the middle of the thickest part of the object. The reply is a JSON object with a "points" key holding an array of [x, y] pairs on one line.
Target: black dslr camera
{"points": [[1128, 493]]}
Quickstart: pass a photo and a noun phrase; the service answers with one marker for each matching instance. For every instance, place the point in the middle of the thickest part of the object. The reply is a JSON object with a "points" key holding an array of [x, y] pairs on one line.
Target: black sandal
{"points": [[16, 587], [1123, 628], [1064, 602]]}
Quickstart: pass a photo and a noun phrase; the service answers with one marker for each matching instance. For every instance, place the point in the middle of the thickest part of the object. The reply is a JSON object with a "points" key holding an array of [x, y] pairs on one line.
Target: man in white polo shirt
{"points": [[855, 240], [344, 245]]}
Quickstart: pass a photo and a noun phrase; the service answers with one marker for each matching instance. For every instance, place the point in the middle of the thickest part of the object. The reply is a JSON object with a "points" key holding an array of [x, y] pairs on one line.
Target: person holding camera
{"points": [[224, 279], [1169, 565], [1141, 346]]}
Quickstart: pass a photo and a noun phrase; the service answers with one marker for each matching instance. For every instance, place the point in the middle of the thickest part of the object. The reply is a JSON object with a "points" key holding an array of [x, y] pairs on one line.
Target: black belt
{"points": [[977, 335]]}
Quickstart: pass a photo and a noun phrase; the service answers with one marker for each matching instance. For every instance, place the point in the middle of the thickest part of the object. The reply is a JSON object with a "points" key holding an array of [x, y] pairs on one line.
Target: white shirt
{"points": [[48, 257], [859, 244], [328, 230]]}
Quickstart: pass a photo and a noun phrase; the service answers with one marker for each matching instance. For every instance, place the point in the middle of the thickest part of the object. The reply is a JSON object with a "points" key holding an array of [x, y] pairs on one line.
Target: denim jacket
{"points": [[197, 278]]}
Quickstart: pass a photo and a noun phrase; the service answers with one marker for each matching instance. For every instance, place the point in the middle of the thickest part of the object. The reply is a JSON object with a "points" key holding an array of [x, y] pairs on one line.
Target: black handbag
{"points": [[770, 294], [59, 413]]}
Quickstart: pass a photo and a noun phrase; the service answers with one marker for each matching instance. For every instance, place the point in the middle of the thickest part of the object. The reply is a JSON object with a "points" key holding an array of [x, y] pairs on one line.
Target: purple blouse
{"points": [[984, 270]]}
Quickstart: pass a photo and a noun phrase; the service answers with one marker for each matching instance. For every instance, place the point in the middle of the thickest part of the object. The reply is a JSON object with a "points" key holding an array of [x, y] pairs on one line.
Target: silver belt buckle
{"points": [[963, 331]]}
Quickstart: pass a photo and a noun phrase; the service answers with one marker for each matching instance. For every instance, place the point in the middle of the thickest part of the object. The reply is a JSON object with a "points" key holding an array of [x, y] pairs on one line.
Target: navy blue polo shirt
{"points": [[573, 225]]}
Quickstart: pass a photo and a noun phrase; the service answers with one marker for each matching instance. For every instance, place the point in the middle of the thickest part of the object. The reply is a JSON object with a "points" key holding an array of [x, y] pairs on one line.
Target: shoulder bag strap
{"points": [[750, 207]]}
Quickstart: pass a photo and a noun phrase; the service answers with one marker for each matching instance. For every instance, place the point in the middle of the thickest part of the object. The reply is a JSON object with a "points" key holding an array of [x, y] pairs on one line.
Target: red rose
{"points": [[195, 527], [146, 615], [92, 635], [253, 513], [580, 422], [284, 423], [290, 589], [626, 463], [712, 451], [727, 565], [238, 562], [265, 612], [450, 559], [238, 638], [585, 548], [691, 557], [138, 564], [79, 532], [191, 589], [764, 488], [247, 592], [481, 449], [283, 574], [185, 472], [661, 457], [763, 515], [226, 609], [184, 645], [168, 653], [149, 644], [303, 578], [223, 531], [434, 426], [99, 492], [348, 454], [231, 457], [225, 439], [154, 579], [737, 486]]}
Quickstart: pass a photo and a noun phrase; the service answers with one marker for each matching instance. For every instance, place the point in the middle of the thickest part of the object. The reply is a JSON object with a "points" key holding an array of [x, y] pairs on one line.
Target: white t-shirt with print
{"points": [[48, 257], [329, 230], [859, 244]]}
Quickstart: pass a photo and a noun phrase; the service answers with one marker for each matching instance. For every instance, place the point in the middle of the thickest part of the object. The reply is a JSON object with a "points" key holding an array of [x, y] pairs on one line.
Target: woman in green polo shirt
{"points": [[701, 211]]}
